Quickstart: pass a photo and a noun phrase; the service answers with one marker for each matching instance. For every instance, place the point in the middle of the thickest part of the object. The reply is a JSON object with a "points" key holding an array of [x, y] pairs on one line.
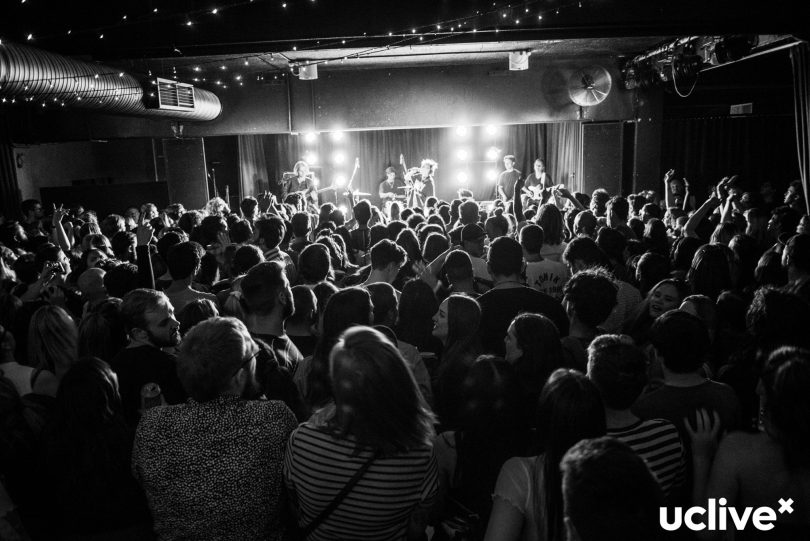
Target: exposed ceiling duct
{"points": [[51, 80]]}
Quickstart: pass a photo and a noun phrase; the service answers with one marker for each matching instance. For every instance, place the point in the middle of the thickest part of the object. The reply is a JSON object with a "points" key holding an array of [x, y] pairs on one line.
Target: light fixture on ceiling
{"points": [[519, 60], [308, 72]]}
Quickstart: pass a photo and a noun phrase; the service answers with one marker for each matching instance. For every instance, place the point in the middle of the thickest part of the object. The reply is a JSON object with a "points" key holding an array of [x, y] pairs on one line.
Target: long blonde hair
{"points": [[52, 340]]}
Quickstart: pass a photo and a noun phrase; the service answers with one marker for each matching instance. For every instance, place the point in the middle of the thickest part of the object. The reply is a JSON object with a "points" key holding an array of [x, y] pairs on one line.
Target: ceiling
{"points": [[232, 40]]}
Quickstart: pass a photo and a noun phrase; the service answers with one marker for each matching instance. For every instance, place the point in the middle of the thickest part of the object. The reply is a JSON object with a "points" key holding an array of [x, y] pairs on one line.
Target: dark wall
{"points": [[360, 99]]}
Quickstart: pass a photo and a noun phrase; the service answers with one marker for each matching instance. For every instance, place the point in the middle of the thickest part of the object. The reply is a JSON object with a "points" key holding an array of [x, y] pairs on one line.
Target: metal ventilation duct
{"points": [[29, 74]]}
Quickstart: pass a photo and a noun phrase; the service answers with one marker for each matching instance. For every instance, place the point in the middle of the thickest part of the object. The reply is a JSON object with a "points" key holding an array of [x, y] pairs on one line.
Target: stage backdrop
{"points": [[468, 158]]}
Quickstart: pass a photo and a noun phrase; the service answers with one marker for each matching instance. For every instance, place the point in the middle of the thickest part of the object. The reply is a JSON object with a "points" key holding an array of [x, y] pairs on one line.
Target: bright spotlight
{"points": [[338, 157], [310, 137], [462, 154], [340, 181], [493, 153], [462, 178], [491, 129], [343, 209], [336, 136], [492, 175], [462, 131], [311, 158]]}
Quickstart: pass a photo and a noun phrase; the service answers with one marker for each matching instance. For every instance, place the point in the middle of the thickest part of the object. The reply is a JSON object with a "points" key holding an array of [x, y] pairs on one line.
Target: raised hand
{"points": [[402, 160], [144, 233], [704, 433], [58, 214], [356, 164], [668, 175]]}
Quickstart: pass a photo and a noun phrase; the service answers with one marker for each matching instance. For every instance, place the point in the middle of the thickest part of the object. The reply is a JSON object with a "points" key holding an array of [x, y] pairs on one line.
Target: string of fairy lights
{"points": [[506, 18]]}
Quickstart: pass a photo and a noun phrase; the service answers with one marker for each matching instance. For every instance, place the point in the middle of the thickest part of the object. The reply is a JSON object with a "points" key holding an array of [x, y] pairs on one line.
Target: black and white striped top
{"points": [[317, 465], [658, 443]]}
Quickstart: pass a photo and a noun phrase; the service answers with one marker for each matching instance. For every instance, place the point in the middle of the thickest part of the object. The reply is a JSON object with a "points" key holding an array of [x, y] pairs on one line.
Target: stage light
{"points": [[462, 131], [338, 158], [336, 136], [462, 178], [492, 175], [343, 209], [310, 137], [491, 129], [340, 181], [311, 158], [493, 153], [462, 154]]}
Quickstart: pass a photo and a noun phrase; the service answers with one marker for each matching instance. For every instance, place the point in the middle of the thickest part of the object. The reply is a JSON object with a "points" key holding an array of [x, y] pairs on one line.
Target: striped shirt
{"points": [[317, 465], [658, 443]]}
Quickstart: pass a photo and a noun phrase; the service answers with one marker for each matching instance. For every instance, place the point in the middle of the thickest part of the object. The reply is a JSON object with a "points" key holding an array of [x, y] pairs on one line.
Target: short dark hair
{"points": [[271, 230], [121, 243], [681, 339], [300, 224], [612, 242], [458, 266], [314, 263], [248, 205], [468, 212], [121, 279], [532, 238], [384, 299], [593, 295], [609, 492], [618, 368], [585, 222], [505, 257], [585, 250], [619, 206], [260, 286], [136, 303], [184, 259], [797, 252], [245, 258], [240, 232], [362, 212], [386, 252], [29, 205]]}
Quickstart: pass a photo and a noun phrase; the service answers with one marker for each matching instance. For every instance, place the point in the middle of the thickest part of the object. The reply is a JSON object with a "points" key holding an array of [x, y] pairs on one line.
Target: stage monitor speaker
{"points": [[602, 150], [186, 172]]}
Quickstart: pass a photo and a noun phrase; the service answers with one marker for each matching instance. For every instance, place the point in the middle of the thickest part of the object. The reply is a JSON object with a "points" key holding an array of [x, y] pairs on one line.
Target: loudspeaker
{"points": [[185, 172], [602, 152]]}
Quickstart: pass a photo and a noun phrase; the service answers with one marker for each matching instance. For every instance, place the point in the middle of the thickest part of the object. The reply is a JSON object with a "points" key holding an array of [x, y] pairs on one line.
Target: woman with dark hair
{"points": [[87, 452], [746, 254], [549, 218], [751, 470], [408, 241], [681, 255], [527, 503], [666, 295], [710, 272], [417, 306], [348, 307], [456, 324], [435, 245], [374, 444], [533, 347], [655, 237], [102, 332], [490, 432]]}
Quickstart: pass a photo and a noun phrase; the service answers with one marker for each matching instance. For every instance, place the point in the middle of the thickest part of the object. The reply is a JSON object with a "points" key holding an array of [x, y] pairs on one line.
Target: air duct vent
{"points": [[175, 96]]}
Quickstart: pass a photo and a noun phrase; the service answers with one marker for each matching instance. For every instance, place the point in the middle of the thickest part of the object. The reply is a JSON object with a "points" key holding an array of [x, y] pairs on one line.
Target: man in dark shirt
{"points": [[150, 323], [268, 300], [507, 179], [510, 296]]}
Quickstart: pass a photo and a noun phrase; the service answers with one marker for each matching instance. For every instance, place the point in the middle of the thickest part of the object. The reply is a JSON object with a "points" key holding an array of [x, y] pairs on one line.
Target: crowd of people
{"points": [[550, 366]]}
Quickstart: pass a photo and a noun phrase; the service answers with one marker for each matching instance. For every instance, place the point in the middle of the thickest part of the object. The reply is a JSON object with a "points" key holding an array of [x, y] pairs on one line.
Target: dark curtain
{"points": [[9, 190], [801, 103], [704, 150], [463, 157]]}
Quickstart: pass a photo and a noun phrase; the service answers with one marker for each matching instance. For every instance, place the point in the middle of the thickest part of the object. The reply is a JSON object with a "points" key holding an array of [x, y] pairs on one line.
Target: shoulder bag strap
{"points": [[312, 526]]}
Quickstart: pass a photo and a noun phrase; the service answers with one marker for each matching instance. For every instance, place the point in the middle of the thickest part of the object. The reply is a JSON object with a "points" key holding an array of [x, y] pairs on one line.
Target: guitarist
{"points": [[538, 184], [301, 181]]}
